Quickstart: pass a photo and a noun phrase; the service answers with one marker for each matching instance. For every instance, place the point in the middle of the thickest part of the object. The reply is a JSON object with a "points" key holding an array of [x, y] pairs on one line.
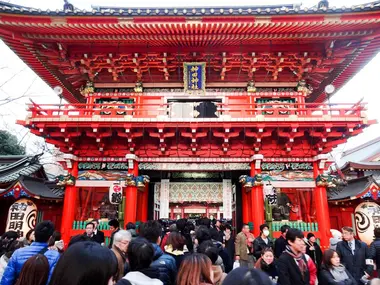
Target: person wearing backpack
{"points": [[43, 232]]}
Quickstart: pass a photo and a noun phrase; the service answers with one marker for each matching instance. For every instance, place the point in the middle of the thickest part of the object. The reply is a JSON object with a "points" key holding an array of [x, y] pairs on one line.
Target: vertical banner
{"points": [[194, 77], [227, 199], [164, 199], [22, 217], [115, 194]]}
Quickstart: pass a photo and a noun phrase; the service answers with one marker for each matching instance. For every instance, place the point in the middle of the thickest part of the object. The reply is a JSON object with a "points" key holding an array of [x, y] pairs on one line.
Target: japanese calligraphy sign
{"points": [[194, 77], [115, 194], [367, 218], [22, 217]]}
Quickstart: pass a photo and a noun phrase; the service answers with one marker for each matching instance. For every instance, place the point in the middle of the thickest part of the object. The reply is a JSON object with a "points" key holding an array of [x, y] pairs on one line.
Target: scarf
{"points": [[299, 259], [339, 273], [248, 236]]}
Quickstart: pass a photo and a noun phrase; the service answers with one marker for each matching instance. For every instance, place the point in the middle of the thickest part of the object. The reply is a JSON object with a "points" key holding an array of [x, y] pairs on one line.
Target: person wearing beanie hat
{"points": [[314, 250], [43, 232], [263, 241], [246, 276]]}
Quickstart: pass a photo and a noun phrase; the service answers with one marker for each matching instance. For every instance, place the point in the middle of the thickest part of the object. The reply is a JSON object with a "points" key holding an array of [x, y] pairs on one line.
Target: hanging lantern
{"points": [[22, 217], [367, 218], [116, 194]]}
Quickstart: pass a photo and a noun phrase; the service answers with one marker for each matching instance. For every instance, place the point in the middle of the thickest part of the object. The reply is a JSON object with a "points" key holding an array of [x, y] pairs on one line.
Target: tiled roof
{"points": [[42, 188], [12, 167], [190, 11], [354, 188], [373, 165], [36, 187]]}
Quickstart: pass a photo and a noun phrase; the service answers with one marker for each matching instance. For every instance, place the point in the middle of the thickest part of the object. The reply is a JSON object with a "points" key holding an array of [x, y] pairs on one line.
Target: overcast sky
{"points": [[17, 79]]}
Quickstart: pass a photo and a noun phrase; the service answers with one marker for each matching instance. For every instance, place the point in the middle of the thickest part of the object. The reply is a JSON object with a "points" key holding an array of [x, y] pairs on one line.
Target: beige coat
{"points": [[121, 259], [241, 246]]}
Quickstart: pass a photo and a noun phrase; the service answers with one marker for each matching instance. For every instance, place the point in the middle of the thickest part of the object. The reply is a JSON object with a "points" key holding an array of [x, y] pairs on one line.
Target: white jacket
{"points": [[138, 278], [3, 265]]}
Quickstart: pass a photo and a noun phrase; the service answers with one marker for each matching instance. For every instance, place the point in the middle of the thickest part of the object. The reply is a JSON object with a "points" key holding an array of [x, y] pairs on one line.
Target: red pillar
{"points": [[245, 205], [144, 204], [69, 206], [322, 210], [139, 205], [131, 197], [257, 202]]}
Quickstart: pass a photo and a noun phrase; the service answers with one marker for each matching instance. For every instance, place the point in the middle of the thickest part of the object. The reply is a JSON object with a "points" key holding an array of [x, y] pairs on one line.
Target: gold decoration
{"points": [[251, 86], [88, 90], [138, 87], [303, 87]]}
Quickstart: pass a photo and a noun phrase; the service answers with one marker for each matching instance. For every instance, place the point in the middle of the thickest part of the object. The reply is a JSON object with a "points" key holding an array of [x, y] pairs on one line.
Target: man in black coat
{"points": [[281, 243], [262, 242], [354, 255], [98, 235], [375, 250], [114, 227], [292, 264]]}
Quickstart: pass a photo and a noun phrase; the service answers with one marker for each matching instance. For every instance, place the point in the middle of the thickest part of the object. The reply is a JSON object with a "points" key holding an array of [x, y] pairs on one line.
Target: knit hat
{"points": [[309, 235], [244, 275]]}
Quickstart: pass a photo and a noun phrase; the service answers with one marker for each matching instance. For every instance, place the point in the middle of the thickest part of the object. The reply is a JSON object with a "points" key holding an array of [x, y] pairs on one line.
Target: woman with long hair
{"points": [[4, 259], [175, 244], [85, 263], [55, 242], [35, 271], [195, 270], [333, 272], [267, 264]]}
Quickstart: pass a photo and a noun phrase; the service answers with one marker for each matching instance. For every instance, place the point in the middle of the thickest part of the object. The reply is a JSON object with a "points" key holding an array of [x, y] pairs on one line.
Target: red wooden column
{"points": [[139, 201], [245, 205], [257, 197], [131, 193], [69, 206], [144, 204], [321, 204]]}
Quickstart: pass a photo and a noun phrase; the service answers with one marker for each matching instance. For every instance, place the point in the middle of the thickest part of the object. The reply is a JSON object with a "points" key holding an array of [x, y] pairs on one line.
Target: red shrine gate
{"points": [[138, 109]]}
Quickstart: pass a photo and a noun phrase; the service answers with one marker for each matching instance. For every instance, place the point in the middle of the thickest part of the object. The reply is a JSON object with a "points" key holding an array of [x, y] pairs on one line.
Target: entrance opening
{"points": [[193, 108]]}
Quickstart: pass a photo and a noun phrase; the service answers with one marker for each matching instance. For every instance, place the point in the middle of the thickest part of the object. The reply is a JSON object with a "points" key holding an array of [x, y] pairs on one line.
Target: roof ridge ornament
{"points": [[68, 6]]}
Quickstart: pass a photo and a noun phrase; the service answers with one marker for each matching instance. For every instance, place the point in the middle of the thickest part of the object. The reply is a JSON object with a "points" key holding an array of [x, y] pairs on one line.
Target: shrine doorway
{"points": [[174, 200]]}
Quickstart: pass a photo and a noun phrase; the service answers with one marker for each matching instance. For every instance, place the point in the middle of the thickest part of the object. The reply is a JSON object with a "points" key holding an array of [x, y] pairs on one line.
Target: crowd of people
{"points": [[184, 253]]}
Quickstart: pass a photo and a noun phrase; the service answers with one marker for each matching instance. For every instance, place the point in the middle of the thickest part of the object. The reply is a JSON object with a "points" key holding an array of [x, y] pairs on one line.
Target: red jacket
{"points": [[163, 241], [312, 269]]}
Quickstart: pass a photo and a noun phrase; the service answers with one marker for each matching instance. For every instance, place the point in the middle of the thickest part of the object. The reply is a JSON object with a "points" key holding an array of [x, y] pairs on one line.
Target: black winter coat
{"points": [[355, 264], [316, 254], [99, 237], [279, 246], [326, 278], [374, 250], [289, 273], [259, 244]]}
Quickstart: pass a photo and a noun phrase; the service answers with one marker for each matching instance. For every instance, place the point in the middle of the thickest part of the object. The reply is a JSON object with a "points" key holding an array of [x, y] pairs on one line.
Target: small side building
{"points": [[23, 177], [357, 203]]}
